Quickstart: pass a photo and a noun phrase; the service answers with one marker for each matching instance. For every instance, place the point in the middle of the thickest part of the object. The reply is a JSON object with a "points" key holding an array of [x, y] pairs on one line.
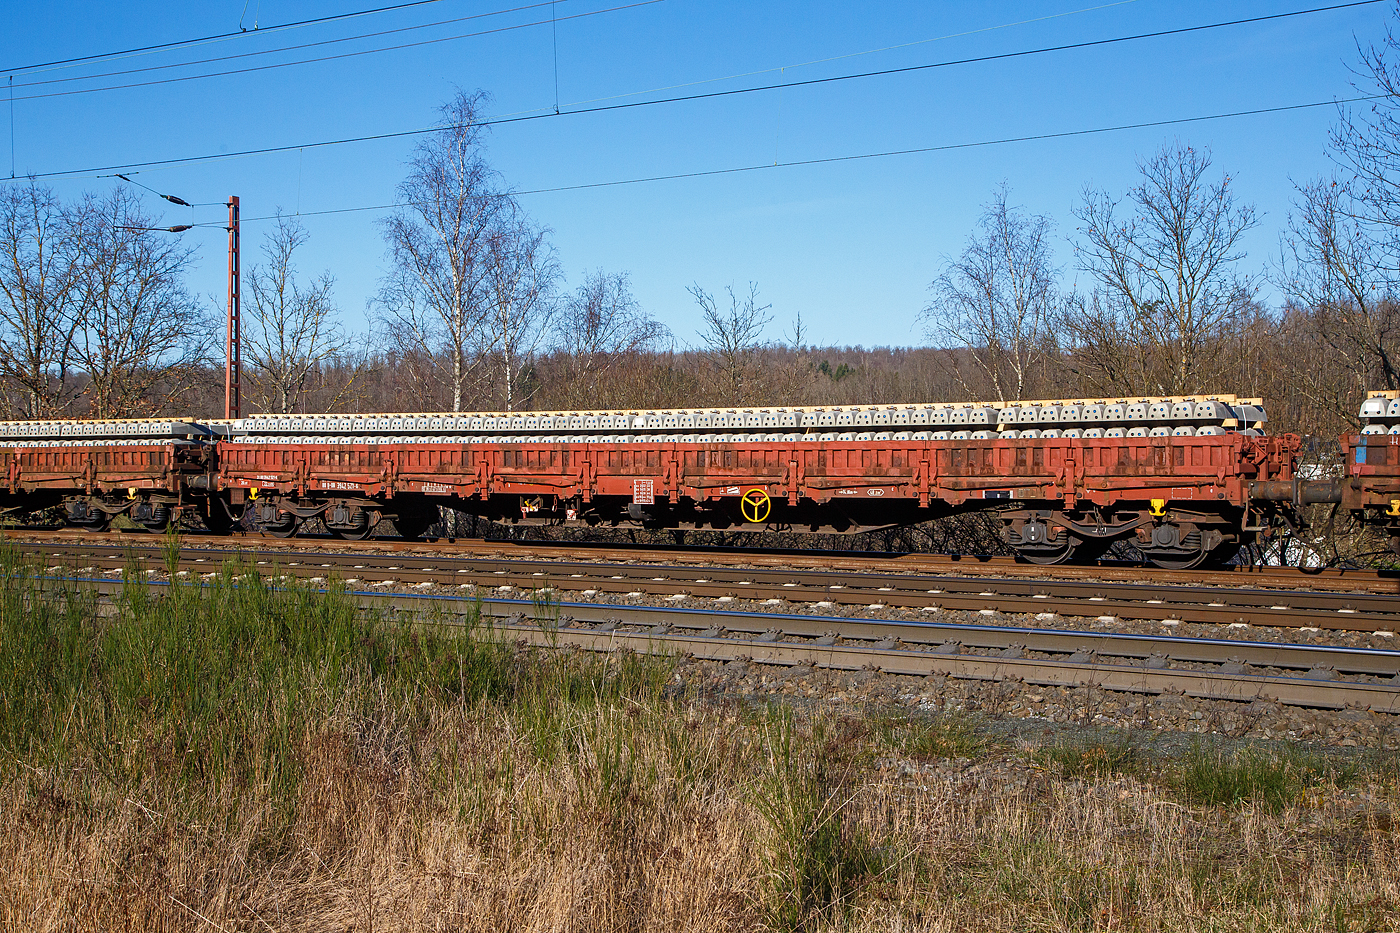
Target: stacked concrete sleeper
{"points": [[1380, 413], [1179, 417]]}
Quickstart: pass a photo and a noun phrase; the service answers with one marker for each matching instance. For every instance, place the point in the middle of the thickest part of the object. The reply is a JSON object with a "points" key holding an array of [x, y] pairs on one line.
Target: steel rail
{"points": [[956, 635], [951, 637], [1383, 582], [510, 617], [1122, 678], [513, 619], [1206, 605]]}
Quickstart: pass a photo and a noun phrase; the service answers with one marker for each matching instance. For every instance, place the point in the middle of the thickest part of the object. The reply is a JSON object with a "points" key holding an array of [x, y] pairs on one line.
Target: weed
{"points": [[945, 735], [1276, 779], [170, 551], [1090, 756], [815, 860]]}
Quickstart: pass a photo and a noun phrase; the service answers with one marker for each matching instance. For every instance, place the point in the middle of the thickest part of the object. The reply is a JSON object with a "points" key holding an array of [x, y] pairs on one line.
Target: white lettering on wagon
{"points": [[437, 487], [875, 491], [848, 492], [337, 484], [731, 490]]}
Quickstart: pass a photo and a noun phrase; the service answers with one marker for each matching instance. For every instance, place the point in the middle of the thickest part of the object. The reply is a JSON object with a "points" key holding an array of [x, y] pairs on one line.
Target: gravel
{"points": [[1027, 709]]}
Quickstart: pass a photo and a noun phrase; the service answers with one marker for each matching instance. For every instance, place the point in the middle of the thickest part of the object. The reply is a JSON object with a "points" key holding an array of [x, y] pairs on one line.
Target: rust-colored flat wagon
{"points": [[99, 481], [1182, 500], [1186, 480]]}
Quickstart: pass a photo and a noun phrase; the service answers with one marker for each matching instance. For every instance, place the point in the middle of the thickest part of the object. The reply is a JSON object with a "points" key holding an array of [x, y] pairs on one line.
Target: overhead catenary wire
{"points": [[708, 95], [173, 199], [344, 55], [554, 22], [778, 69], [288, 48], [217, 37], [890, 153], [885, 72]]}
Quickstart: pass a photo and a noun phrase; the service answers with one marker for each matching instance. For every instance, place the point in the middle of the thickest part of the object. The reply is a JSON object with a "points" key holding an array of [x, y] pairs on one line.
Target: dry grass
{"points": [[349, 775]]}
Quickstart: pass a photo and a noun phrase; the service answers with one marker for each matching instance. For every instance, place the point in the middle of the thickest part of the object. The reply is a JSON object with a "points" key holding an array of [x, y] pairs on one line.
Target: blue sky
{"points": [[849, 245]]}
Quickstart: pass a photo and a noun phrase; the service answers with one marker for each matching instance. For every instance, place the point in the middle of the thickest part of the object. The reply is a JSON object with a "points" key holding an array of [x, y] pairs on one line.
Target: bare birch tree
{"points": [[437, 295], [522, 280], [39, 265], [997, 298], [731, 337], [141, 334], [602, 321], [1167, 273], [291, 329]]}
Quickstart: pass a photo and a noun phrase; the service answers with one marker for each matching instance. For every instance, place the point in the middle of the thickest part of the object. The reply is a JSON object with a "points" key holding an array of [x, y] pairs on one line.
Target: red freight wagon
{"points": [[1182, 500], [149, 481]]}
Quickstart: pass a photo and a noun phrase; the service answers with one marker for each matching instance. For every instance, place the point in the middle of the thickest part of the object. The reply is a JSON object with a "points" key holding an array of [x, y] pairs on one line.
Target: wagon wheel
{"points": [[97, 524], [359, 534], [1172, 550], [160, 521], [286, 528], [1036, 541], [411, 525], [1069, 549], [1048, 555], [1179, 561], [1223, 554], [1088, 550]]}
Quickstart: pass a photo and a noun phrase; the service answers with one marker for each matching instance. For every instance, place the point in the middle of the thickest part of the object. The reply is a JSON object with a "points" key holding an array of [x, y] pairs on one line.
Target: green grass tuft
{"points": [[1091, 756], [945, 735], [1274, 779], [218, 685], [816, 861]]}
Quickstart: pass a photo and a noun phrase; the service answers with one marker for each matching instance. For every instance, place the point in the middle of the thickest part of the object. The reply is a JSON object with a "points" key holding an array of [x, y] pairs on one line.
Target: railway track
{"points": [[1295, 675], [1115, 601], [1379, 582]]}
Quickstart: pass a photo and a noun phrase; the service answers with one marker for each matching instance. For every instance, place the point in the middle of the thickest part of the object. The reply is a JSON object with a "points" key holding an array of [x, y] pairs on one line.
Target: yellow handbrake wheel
{"points": [[755, 506]]}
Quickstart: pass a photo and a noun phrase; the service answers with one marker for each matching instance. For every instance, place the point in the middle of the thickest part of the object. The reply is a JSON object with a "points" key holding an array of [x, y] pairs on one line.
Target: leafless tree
{"points": [[39, 265], [1341, 252], [141, 334], [997, 298], [437, 295], [731, 337], [291, 328], [522, 281], [1365, 143], [1334, 271], [597, 326], [797, 337], [1102, 357], [1167, 272]]}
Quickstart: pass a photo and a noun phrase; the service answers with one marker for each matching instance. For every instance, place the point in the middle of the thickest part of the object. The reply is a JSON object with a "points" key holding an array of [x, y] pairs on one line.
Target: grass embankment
{"points": [[245, 757]]}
